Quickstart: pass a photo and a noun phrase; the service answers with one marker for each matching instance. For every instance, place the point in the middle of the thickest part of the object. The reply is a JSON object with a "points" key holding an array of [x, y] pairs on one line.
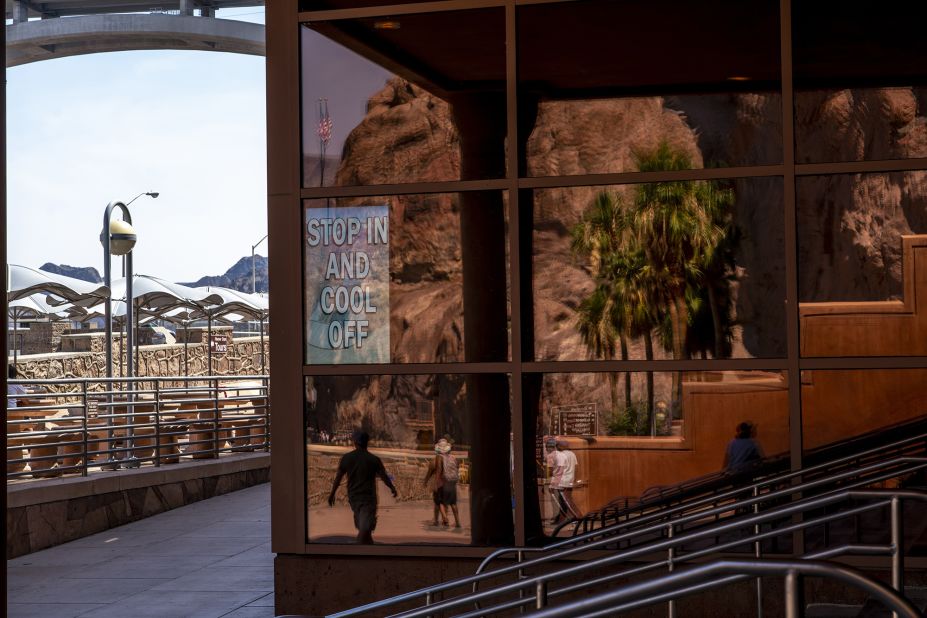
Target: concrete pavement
{"points": [[210, 559]]}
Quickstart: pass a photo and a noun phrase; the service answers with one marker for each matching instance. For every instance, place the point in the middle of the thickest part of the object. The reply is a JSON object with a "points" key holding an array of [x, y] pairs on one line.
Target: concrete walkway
{"points": [[210, 559]]}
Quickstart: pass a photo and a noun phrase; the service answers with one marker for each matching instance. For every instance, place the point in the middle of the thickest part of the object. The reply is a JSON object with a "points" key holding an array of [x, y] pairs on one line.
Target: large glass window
{"points": [[406, 279], [614, 280], [390, 100], [444, 442], [862, 244]]}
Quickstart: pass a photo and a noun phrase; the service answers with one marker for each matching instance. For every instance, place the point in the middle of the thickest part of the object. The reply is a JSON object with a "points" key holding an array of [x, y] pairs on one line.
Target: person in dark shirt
{"points": [[362, 468], [743, 452]]}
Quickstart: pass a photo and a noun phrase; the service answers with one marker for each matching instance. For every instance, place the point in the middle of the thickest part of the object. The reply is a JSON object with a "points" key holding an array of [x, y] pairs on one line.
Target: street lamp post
{"points": [[253, 276], [118, 238]]}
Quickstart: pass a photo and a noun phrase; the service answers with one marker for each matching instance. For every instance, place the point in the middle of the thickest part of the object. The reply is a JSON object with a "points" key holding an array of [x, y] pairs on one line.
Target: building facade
{"points": [[626, 228]]}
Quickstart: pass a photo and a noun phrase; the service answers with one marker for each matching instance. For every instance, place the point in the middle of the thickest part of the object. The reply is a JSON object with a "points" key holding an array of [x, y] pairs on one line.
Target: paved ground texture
{"points": [[210, 559]]}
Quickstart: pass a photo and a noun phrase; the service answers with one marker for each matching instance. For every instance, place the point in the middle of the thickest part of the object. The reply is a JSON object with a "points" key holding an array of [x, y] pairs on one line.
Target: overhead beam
{"points": [[57, 38]]}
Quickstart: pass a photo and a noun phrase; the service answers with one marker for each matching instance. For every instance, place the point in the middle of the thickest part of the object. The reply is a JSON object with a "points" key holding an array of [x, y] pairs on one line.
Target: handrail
{"points": [[775, 478], [665, 544], [542, 580], [107, 426], [585, 538], [682, 583]]}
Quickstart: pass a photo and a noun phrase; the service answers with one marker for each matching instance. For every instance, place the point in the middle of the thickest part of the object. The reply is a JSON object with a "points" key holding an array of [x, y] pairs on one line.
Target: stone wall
{"points": [[243, 357], [39, 337], [407, 469]]}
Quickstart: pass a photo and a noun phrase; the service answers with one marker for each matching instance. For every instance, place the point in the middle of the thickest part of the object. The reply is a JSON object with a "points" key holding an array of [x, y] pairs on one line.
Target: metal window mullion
{"points": [[790, 218]]}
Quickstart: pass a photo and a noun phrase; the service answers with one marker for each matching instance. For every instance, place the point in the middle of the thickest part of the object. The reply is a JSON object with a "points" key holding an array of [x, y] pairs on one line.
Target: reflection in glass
{"points": [[881, 415], [628, 444], [446, 269], [860, 124], [410, 420], [862, 242], [605, 135], [382, 105], [652, 271]]}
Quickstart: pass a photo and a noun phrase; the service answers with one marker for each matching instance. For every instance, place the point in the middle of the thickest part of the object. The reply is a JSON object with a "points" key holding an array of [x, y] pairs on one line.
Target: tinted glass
{"points": [[879, 416], [645, 436], [418, 98], [406, 279], [862, 242], [411, 421], [606, 287]]}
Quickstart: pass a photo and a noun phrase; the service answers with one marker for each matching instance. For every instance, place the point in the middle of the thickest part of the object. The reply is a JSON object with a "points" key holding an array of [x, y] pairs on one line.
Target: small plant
{"points": [[631, 421]]}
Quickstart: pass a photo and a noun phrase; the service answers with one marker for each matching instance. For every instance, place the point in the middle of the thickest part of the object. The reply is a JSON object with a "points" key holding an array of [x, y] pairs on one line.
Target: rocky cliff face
{"points": [[849, 225], [84, 273]]}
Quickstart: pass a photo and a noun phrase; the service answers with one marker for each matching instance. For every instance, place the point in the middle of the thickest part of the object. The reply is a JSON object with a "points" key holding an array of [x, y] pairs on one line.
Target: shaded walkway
{"points": [[210, 559]]}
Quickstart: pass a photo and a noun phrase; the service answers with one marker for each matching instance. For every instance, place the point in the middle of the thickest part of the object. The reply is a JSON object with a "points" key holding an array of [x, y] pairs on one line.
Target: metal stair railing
{"points": [[672, 545], [664, 501], [532, 589], [715, 506], [714, 574]]}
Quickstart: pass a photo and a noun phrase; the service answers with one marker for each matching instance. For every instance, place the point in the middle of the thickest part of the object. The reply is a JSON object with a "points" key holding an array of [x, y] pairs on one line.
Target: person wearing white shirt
{"points": [[562, 463]]}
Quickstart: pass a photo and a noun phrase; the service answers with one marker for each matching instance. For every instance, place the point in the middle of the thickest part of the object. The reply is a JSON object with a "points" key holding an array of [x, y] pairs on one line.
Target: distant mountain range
{"points": [[238, 277]]}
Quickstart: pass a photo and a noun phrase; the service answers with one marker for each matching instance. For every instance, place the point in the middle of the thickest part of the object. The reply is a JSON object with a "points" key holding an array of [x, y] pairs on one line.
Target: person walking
{"points": [[445, 470], [362, 469], [565, 473], [743, 452]]}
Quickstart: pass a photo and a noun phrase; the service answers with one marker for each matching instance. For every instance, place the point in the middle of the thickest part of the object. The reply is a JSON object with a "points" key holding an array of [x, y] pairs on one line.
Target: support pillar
{"points": [[480, 119], [20, 12]]}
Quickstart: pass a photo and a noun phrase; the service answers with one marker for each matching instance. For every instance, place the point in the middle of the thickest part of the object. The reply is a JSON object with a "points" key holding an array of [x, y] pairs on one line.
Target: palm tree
{"points": [[620, 307], [679, 226]]}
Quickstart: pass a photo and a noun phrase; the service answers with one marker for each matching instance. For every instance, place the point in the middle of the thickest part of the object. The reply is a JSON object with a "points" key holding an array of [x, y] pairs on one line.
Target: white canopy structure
{"points": [[23, 281], [235, 303], [36, 306]]}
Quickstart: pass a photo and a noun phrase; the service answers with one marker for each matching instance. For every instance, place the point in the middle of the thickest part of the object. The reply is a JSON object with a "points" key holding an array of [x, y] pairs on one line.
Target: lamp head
{"points": [[153, 194], [122, 237]]}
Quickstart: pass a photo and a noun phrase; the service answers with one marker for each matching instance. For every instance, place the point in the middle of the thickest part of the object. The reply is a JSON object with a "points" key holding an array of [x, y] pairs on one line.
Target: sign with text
{"points": [[347, 285], [219, 344], [578, 419]]}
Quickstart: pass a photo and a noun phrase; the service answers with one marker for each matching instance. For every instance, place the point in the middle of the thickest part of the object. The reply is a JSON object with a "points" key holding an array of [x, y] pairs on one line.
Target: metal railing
{"points": [[721, 572], [77, 426], [783, 486], [711, 488], [742, 532]]}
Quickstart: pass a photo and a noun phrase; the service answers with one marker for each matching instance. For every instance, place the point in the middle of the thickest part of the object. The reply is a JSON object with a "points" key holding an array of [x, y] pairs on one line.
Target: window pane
{"points": [[878, 415], [439, 278], [606, 287], [857, 124], [638, 436], [418, 98], [862, 247], [578, 81], [406, 417]]}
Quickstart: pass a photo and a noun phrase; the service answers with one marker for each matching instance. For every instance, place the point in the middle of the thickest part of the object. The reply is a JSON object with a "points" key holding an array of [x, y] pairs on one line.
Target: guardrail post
{"points": [[215, 414], [86, 448], [671, 555], [897, 516], [758, 553], [520, 574], [540, 595], [794, 595]]}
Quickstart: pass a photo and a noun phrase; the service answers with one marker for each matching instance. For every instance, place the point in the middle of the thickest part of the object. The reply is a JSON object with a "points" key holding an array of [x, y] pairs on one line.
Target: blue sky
{"points": [[87, 130]]}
